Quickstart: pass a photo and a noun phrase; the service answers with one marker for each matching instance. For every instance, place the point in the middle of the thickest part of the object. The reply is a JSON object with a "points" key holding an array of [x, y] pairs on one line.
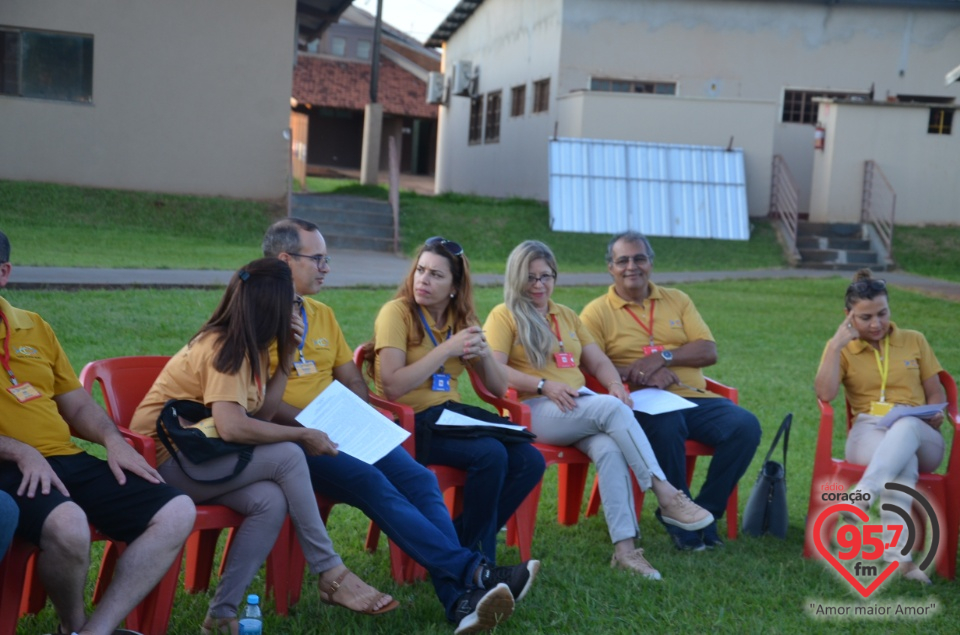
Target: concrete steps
{"points": [[837, 246], [348, 222]]}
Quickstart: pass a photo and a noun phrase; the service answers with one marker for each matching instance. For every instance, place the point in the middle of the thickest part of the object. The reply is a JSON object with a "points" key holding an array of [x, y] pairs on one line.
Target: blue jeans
{"points": [[9, 515], [403, 498], [499, 476], [732, 432]]}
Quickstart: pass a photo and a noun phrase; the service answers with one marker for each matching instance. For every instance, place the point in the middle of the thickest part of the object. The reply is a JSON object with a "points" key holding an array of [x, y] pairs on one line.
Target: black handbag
{"points": [[188, 425], [766, 509]]}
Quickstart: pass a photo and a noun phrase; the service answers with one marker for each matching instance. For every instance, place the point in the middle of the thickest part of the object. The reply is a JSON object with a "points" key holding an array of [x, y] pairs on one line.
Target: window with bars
{"points": [[633, 86], [44, 65], [491, 133], [518, 100], [541, 95], [941, 121], [799, 107], [476, 120]]}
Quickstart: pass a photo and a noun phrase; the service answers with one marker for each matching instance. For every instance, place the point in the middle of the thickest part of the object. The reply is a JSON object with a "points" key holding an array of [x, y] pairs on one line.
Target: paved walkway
{"points": [[370, 269]]}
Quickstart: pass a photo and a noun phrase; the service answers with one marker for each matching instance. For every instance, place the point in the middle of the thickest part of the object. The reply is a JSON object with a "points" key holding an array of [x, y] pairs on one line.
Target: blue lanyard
{"points": [[426, 327], [303, 316]]}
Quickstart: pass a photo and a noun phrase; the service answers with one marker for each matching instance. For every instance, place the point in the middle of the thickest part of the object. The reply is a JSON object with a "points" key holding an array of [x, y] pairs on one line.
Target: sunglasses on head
{"points": [[872, 284], [452, 248]]}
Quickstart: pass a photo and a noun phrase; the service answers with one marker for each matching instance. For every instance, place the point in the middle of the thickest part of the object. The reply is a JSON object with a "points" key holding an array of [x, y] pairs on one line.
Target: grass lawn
{"points": [[770, 336]]}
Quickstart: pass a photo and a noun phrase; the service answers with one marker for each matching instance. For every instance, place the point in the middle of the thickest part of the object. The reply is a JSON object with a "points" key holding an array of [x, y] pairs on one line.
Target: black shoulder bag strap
{"points": [[785, 431]]}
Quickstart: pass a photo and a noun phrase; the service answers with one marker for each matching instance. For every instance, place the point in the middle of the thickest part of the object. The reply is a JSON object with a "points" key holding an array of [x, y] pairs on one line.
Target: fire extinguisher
{"points": [[819, 134]]}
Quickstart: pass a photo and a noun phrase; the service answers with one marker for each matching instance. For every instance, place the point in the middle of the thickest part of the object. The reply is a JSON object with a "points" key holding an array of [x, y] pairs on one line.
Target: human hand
{"points": [[120, 457], [640, 371], [561, 394], [846, 333], [662, 379], [935, 421], [37, 472], [619, 391], [470, 343], [316, 442]]}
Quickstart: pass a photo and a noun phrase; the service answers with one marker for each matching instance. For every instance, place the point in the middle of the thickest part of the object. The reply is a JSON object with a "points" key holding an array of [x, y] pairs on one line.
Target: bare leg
{"points": [[663, 490], [143, 564], [358, 594], [63, 562]]}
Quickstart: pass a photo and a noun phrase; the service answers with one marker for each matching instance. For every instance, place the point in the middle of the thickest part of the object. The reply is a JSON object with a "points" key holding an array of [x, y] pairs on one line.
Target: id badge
{"points": [[306, 367], [652, 350], [24, 392], [565, 360], [441, 382], [880, 408]]}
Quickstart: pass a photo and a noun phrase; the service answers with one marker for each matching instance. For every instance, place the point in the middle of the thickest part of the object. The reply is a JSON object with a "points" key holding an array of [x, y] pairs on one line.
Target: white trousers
{"points": [[603, 428], [896, 454]]}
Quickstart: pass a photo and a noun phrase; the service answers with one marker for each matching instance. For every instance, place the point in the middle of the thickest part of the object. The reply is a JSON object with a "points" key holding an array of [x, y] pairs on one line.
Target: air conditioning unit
{"points": [[435, 88], [462, 78]]}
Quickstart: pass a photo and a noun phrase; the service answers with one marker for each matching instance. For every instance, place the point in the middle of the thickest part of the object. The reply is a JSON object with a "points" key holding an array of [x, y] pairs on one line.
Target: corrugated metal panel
{"points": [[605, 187]]}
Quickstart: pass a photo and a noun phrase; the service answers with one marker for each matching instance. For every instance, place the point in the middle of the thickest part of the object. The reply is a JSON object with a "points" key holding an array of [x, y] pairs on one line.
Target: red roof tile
{"points": [[324, 82]]}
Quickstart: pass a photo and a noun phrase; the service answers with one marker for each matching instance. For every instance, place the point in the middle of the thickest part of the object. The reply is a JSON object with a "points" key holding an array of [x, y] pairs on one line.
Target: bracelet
{"points": [[540, 385], [614, 383]]}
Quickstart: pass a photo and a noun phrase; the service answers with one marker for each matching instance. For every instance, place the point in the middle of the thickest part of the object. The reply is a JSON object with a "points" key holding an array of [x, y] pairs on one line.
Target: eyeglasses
{"points": [[452, 248], [639, 260], [871, 284], [319, 261], [543, 279], [297, 302]]}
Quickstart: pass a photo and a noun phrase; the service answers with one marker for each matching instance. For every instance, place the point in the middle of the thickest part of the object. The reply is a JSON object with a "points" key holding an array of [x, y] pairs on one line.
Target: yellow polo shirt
{"points": [[676, 322], [396, 327], [324, 345], [37, 358], [190, 375], [501, 331], [912, 361]]}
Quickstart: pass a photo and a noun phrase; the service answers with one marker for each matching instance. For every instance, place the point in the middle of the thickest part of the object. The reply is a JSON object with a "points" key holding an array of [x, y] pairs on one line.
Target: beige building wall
{"points": [[664, 119], [190, 97], [514, 43], [922, 168], [749, 50]]}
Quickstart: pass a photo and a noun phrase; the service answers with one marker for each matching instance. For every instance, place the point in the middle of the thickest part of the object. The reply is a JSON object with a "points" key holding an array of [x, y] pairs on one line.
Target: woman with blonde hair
{"points": [[543, 345], [881, 365]]}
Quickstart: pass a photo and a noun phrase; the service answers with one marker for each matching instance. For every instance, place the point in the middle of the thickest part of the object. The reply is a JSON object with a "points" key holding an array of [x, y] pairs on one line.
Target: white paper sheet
{"points": [[354, 425], [450, 418], [654, 401], [921, 412]]}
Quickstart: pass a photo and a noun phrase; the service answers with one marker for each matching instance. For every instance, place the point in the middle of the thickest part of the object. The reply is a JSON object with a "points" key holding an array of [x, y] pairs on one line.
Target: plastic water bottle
{"points": [[252, 621]]}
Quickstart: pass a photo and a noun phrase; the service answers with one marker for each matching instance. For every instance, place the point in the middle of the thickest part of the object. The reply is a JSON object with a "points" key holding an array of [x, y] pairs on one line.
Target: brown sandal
{"points": [[326, 596]]}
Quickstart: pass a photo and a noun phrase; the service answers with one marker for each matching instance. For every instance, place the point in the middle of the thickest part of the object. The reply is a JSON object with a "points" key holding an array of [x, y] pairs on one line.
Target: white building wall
{"points": [[922, 168], [513, 43], [729, 49], [189, 97]]}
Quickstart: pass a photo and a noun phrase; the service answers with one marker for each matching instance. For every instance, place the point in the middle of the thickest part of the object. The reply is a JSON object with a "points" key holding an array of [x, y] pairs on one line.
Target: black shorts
{"points": [[122, 512]]}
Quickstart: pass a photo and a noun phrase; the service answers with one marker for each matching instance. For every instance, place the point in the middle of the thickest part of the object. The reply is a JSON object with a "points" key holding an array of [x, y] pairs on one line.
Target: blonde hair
{"points": [[532, 330]]}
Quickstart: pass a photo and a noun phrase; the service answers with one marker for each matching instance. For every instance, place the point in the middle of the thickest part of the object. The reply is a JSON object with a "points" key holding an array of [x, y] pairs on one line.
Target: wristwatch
{"points": [[540, 386], [667, 357]]}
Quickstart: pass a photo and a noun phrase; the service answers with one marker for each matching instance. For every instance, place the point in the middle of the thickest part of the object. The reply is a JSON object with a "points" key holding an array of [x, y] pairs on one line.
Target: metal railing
{"points": [[879, 204], [784, 203]]}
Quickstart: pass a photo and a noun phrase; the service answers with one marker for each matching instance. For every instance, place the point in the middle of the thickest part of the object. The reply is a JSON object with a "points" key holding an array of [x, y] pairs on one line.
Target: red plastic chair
{"points": [[694, 449], [403, 568], [572, 466], [124, 381], [942, 490]]}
